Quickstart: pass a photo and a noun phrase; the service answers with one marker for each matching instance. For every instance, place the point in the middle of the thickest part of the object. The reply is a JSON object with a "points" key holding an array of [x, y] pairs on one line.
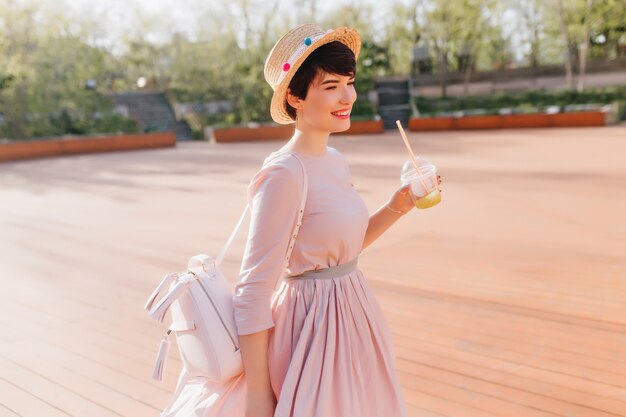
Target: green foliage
{"points": [[240, 79], [47, 67], [78, 122], [49, 52], [197, 134], [532, 100], [112, 123], [373, 61], [5, 81], [196, 76], [362, 110]]}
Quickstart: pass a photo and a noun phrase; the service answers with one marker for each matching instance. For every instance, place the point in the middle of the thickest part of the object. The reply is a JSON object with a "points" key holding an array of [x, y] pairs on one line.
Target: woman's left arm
{"points": [[398, 205]]}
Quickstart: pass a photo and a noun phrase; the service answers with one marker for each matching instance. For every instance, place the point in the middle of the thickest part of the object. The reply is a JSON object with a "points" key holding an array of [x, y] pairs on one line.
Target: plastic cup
{"points": [[424, 188]]}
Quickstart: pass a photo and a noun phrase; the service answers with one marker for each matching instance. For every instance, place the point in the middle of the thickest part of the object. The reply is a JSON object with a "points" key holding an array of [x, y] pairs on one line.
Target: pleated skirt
{"points": [[330, 355]]}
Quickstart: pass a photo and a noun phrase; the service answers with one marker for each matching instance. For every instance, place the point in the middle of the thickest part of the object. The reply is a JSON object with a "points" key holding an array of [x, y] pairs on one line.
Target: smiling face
{"points": [[321, 93], [328, 103]]}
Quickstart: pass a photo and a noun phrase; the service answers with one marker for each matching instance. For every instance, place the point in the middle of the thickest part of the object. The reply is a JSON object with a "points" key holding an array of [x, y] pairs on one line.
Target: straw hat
{"points": [[290, 52]]}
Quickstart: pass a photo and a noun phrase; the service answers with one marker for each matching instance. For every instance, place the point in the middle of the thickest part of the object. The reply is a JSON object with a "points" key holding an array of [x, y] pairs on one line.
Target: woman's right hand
{"points": [[260, 403]]}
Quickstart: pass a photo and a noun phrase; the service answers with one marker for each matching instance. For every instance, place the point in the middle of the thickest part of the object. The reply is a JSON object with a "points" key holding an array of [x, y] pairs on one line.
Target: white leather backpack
{"points": [[200, 302]]}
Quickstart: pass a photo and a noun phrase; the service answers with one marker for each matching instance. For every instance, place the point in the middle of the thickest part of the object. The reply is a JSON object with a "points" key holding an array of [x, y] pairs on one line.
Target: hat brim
{"points": [[348, 36]]}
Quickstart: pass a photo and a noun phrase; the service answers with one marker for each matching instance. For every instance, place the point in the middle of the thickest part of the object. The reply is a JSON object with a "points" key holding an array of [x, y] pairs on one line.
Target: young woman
{"points": [[317, 345]]}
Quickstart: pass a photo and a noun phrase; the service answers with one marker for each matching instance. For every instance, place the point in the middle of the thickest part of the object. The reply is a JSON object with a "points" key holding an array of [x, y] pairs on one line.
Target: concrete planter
{"points": [[283, 132], [248, 134], [431, 123], [29, 149], [591, 118], [364, 127], [477, 122], [512, 121], [525, 120]]}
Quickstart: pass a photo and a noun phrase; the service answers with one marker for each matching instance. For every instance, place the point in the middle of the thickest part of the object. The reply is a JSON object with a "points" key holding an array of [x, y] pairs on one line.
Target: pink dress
{"points": [[330, 349]]}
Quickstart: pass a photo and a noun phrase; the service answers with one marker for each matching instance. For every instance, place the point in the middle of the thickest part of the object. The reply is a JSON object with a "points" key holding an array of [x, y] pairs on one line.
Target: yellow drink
{"points": [[431, 199]]}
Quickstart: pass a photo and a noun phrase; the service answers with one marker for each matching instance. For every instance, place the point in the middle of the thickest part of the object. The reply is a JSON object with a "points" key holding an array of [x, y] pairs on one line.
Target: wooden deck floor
{"points": [[508, 299]]}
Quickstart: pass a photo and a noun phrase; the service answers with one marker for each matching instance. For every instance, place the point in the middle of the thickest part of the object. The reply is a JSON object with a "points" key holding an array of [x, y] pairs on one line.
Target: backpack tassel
{"points": [[164, 348]]}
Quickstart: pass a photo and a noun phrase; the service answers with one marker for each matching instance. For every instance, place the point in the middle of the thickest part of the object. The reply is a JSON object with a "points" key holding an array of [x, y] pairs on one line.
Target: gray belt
{"points": [[325, 273]]}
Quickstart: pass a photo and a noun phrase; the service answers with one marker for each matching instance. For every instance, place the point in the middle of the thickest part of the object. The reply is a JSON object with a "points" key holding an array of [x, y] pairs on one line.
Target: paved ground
{"points": [[507, 299]]}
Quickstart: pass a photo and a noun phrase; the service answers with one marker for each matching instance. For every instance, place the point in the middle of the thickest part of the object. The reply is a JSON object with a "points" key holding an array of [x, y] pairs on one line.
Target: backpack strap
{"points": [[222, 254], [157, 309], [220, 257], [305, 187]]}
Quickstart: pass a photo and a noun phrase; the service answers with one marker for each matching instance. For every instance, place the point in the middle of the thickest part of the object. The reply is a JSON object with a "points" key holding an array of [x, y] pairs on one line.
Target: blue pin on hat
{"points": [[308, 41]]}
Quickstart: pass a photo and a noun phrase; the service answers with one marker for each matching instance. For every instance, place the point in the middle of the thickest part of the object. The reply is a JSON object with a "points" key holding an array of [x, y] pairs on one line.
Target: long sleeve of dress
{"points": [[274, 195]]}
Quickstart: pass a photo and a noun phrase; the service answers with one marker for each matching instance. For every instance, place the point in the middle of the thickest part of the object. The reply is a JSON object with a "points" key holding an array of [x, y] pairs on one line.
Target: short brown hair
{"points": [[333, 58]]}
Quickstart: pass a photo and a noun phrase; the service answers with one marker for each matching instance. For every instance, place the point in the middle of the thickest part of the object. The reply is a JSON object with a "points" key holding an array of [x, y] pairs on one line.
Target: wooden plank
{"points": [[583, 340], [495, 397], [7, 412], [530, 377], [510, 340], [415, 411], [490, 317], [441, 406], [103, 351], [55, 396], [579, 308], [515, 354], [144, 339], [473, 401], [119, 402], [148, 392], [24, 403]]}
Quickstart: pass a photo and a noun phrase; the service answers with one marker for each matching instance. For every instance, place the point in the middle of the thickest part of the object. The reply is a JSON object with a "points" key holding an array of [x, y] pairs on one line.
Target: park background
{"points": [[68, 66]]}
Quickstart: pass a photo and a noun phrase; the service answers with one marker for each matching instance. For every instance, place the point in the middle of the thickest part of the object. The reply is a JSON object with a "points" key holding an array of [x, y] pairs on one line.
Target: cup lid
{"points": [[424, 170]]}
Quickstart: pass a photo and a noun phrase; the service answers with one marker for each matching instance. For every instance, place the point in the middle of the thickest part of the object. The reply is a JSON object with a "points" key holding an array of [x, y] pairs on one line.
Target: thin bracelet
{"points": [[394, 210]]}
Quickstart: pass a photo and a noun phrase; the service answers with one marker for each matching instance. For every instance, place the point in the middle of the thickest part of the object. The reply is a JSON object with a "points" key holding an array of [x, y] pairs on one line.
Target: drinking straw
{"points": [[412, 155]]}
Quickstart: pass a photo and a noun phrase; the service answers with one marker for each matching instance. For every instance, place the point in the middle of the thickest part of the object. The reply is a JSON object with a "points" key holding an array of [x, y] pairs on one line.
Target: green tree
{"points": [[5, 81], [402, 32], [50, 62], [454, 28], [531, 17], [579, 20], [608, 36]]}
